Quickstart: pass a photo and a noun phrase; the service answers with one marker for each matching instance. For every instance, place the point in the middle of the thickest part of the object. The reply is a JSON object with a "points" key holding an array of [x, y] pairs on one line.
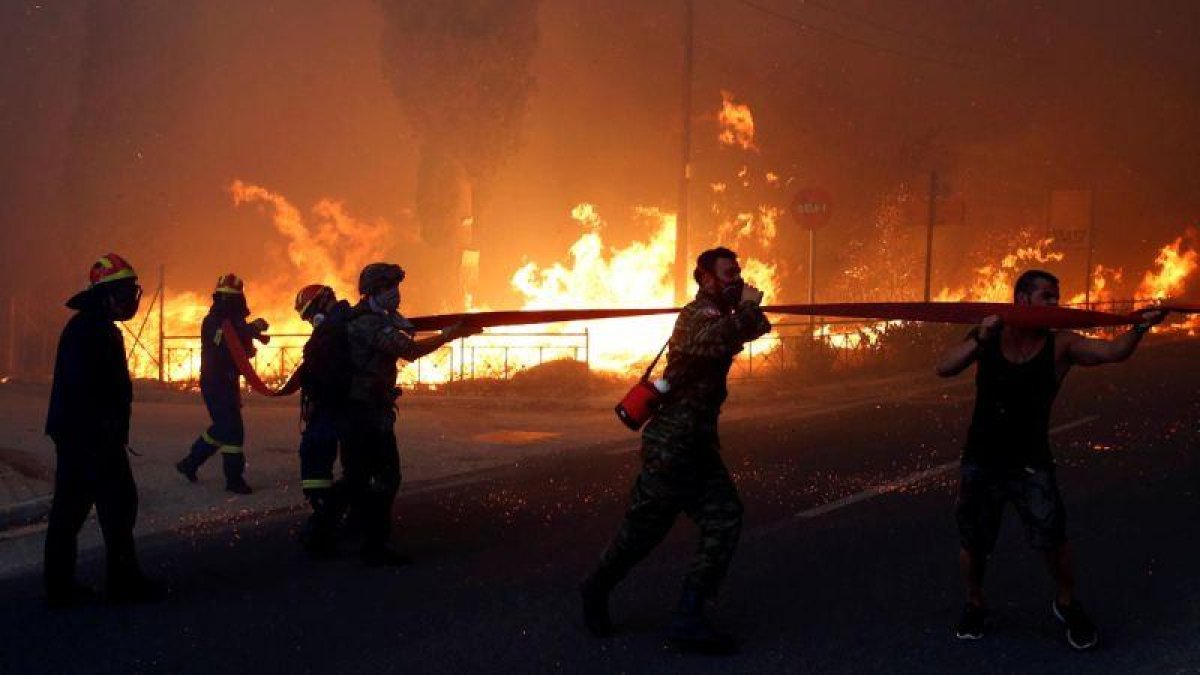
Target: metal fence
{"points": [[490, 355]]}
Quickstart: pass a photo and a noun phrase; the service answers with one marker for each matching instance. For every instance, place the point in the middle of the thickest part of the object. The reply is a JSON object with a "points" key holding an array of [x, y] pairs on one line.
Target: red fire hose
{"points": [[937, 312], [233, 342]]}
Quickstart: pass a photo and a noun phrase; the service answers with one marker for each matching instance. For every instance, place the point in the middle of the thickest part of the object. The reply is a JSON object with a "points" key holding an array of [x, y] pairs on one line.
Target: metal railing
{"points": [[489, 355]]}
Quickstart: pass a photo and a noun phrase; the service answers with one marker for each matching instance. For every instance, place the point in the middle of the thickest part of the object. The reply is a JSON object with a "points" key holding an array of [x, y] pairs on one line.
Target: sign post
{"points": [[811, 209], [1070, 224]]}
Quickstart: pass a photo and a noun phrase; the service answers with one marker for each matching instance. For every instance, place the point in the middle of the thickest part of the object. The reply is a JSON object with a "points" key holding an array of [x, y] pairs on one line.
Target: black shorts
{"points": [[982, 494]]}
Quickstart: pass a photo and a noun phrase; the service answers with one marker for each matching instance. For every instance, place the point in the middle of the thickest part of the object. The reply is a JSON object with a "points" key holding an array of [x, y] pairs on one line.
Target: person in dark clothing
{"points": [[1007, 457], [90, 404], [324, 377], [379, 336], [220, 385], [682, 470]]}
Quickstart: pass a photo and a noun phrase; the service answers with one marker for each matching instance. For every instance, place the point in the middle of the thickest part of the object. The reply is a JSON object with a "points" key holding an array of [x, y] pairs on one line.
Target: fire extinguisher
{"points": [[640, 404]]}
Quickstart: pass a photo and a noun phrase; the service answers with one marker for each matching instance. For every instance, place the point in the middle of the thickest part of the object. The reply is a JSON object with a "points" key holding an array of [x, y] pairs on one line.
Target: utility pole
{"points": [[812, 275], [162, 333], [933, 190], [685, 173], [1087, 272], [12, 335]]}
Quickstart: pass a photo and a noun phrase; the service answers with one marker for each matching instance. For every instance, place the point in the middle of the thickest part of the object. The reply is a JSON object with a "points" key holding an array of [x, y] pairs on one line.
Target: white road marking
{"points": [[912, 478]]}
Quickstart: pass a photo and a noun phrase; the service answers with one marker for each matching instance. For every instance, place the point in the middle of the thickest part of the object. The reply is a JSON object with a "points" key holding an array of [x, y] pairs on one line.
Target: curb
{"points": [[25, 513]]}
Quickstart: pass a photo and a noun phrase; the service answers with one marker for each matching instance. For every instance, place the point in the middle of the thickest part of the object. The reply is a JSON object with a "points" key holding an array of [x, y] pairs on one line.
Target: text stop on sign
{"points": [[811, 208]]}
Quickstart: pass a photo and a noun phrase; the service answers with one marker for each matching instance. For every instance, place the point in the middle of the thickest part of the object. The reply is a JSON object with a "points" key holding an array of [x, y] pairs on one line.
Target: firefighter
{"points": [[324, 377], [378, 337], [682, 470], [88, 420], [220, 385]]}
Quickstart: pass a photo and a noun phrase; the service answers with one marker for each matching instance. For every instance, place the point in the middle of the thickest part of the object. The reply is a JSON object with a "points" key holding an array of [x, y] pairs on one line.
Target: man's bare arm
{"points": [[1085, 351], [959, 357]]}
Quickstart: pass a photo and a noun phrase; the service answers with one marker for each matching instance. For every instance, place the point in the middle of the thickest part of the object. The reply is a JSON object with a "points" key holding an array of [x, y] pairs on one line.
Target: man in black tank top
{"points": [[1007, 456]]}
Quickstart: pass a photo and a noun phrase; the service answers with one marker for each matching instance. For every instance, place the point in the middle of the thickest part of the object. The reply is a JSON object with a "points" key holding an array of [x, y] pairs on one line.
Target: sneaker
{"points": [[185, 467], [1081, 632], [74, 595], [972, 623], [238, 487]]}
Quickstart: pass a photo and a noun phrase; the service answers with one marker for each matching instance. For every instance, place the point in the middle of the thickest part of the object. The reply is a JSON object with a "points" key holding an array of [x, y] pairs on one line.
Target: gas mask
{"points": [[124, 301], [316, 319], [387, 301], [731, 293]]}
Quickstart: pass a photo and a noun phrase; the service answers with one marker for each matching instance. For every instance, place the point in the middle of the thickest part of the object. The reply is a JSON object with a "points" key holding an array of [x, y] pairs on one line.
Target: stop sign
{"points": [[811, 208]]}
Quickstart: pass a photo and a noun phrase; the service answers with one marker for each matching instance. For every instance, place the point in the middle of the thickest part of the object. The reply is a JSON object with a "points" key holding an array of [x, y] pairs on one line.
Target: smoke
{"points": [[138, 76], [461, 72]]}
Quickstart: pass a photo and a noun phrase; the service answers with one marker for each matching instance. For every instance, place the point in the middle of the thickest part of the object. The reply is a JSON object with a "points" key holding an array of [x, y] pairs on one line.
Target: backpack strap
{"points": [[650, 368]]}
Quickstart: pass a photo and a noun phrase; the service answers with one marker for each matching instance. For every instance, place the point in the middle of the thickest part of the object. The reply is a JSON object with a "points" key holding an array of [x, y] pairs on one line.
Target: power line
{"points": [[806, 25], [879, 25]]}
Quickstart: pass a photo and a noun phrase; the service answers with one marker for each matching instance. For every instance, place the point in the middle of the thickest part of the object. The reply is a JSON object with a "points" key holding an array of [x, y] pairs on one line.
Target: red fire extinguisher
{"points": [[640, 404]]}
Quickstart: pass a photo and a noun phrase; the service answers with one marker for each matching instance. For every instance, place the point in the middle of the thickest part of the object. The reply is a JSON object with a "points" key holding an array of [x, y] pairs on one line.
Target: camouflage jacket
{"points": [[377, 342], [706, 338]]}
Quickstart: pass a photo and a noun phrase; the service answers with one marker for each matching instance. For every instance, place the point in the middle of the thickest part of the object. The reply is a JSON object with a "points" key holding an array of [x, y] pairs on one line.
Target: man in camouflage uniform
{"points": [[379, 336], [682, 469]]}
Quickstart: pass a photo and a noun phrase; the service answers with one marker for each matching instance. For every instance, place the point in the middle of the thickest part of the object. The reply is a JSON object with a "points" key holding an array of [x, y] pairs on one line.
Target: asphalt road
{"points": [[847, 563]]}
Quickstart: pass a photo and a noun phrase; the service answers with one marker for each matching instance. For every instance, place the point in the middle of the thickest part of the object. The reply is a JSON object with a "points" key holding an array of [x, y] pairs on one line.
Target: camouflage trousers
{"points": [[678, 478]]}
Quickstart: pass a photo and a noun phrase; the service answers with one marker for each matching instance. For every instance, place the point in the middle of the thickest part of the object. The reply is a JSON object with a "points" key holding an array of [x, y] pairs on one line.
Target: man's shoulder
{"points": [[336, 318], [700, 308], [88, 324], [342, 310], [361, 322]]}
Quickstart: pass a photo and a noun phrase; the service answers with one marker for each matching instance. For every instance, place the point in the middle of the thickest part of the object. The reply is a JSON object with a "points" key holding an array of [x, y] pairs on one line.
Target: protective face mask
{"points": [[388, 300], [732, 293], [317, 319], [125, 302]]}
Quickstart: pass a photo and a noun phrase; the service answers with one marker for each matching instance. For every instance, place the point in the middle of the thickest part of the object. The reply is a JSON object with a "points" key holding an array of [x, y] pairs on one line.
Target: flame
{"points": [[1104, 279], [994, 283], [329, 246], [1172, 269], [737, 123], [757, 227], [637, 275]]}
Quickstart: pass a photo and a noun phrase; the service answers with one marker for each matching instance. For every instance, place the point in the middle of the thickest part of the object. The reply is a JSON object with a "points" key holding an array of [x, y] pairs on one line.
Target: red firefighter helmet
{"points": [[110, 267], [306, 299], [230, 283]]}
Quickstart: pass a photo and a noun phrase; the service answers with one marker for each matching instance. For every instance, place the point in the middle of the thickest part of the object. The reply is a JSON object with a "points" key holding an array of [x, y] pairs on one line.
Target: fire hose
{"points": [[1024, 316]]}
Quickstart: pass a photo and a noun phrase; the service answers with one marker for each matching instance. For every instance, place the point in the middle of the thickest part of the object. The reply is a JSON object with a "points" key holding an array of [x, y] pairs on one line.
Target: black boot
{"points": [[691, 630], [187, 468], [234, 465], [594, 594], [319, 536], [200, 452]]}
